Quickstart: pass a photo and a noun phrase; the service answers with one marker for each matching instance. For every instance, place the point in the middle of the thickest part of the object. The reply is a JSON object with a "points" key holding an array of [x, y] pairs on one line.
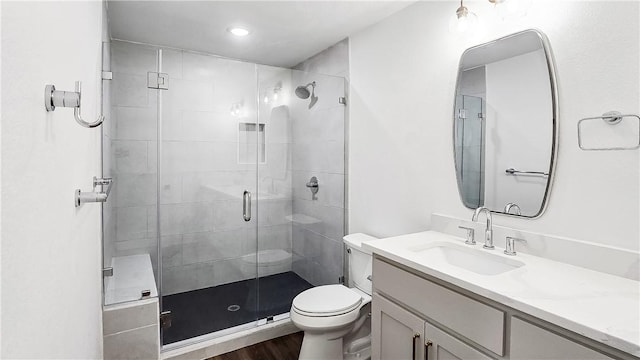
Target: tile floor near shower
{"points": [[208, 310]]}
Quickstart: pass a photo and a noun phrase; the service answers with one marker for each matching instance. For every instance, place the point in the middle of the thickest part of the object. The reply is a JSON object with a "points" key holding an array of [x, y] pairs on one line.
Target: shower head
{"points": [[303, 91]]}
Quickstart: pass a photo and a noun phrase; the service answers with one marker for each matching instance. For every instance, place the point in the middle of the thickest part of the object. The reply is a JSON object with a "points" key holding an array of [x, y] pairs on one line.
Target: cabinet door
{"points": [[442, 346], [396, 333], [529, 341]]}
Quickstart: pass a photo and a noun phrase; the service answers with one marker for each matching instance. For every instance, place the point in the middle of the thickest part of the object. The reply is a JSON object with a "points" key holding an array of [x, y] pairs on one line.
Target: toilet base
{"points": [[321, 347]]}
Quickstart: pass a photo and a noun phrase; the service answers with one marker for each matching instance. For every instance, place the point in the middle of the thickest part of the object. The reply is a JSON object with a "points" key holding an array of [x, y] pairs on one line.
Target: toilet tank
{"points": [[360, 261]]}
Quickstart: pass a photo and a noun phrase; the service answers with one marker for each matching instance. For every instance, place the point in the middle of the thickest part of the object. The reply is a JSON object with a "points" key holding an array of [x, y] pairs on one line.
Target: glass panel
{"points": [[210, 141], [469, 147], [129, 142], [300, 230]]}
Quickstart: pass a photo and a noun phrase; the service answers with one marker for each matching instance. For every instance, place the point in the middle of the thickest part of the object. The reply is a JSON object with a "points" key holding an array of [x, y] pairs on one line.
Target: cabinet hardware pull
{"points": [[416, 336], [427, 344]]}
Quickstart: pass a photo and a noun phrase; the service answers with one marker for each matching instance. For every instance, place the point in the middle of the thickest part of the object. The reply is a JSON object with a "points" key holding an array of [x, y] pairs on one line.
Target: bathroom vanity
{"points": [[437, 298]]}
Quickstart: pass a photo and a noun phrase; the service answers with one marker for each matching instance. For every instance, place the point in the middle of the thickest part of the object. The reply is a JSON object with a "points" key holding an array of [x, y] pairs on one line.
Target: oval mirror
{"points": [[504, 129]]}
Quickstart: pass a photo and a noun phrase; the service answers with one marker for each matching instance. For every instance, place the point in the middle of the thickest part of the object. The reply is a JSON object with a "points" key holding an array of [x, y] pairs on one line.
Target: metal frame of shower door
{"points": [[105, 66], [345, 180], [159, 187], [256, 74]]}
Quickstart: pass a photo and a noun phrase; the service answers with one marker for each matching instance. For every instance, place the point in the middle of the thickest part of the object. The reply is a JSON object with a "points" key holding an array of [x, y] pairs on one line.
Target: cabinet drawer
{"points": [[531, 342], [474, 320]]}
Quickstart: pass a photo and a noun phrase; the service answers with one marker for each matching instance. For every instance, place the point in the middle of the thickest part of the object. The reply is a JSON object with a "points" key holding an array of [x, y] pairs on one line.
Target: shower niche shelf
{"points": [[251, 140]]}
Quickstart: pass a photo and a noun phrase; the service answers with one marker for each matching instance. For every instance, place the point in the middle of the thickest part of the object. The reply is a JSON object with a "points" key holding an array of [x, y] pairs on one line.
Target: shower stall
{"points": [[213, 209]]}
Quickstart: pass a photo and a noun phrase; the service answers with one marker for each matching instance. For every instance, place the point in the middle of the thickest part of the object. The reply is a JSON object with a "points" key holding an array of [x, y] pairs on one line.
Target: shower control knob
{"points": [[313, 186]]}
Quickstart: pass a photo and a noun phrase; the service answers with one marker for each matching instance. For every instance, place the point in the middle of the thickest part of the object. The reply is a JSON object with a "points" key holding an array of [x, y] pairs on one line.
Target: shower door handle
{"points": [[246, 206]]}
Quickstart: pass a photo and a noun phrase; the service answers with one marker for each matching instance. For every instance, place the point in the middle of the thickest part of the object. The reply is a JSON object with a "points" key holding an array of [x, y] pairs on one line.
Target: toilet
{"points": [[336, 319]]}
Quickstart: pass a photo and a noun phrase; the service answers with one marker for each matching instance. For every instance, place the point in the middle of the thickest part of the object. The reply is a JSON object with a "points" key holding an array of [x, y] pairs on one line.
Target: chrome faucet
{"points": [[510, 247], [488, 233], [509, 206]]}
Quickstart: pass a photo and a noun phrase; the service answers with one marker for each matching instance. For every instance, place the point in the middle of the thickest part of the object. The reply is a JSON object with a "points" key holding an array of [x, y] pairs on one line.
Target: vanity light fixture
{"points": [[237, 109], [276, 92], [463, 20], [268, 99], [238, 31]]}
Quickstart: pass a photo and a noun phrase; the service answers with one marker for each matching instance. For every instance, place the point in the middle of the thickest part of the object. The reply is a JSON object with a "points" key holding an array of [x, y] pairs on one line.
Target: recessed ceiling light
{"points": [[238, 31]]}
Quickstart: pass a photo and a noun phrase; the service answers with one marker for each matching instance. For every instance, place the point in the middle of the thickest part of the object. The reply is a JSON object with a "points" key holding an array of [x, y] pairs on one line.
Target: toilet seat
{"points": [[327, 301]]}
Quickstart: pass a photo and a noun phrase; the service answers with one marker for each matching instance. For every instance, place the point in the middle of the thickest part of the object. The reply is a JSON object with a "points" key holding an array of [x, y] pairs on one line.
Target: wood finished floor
{"points": [[282, 348]]}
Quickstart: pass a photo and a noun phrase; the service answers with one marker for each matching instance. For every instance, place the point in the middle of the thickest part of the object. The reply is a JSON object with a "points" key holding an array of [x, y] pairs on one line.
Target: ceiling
{"points": [[283, 33]]}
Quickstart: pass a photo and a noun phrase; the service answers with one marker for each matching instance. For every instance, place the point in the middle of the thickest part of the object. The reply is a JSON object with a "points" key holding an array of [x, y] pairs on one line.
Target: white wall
{"points": [[402, 93], [51, 269], [517, 135]]}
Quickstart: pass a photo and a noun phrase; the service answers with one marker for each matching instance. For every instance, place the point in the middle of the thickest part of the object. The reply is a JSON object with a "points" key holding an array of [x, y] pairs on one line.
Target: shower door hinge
{"points": [[165, 319], [107, 75], [108, 271], [157, 80], [342, 100]]}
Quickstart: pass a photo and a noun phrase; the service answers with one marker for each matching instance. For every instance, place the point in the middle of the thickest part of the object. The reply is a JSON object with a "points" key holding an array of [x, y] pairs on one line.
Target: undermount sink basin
{"points": [[476, 260]]}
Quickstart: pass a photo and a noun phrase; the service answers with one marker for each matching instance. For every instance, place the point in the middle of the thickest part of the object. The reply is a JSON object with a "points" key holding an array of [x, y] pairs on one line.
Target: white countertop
{"points": [[602, 307]]}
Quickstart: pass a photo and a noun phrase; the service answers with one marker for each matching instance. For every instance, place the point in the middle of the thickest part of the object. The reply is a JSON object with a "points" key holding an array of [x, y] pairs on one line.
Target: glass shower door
{"points": [[300, 220], [209, 151]]}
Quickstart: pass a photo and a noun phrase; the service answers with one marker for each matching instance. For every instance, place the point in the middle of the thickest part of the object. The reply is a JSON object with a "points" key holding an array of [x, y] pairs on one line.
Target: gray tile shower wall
{"points": [[319, 150]]}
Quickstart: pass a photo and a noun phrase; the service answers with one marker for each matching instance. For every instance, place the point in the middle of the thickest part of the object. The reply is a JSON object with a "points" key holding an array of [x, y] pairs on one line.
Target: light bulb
{"points": [[463, 20], [238, 31], [236, 109], [512, 9]]}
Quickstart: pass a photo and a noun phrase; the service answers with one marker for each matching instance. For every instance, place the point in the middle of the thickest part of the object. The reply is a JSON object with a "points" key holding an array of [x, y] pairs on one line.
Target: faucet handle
{"points": [[510, 246], [470, 235]]}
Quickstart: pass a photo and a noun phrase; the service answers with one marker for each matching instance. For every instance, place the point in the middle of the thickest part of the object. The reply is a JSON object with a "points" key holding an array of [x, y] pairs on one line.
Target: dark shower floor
{"points": [[204, 311]]}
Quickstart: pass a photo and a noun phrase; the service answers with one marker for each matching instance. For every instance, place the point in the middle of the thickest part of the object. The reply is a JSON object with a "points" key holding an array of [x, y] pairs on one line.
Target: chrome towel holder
{"points": [[609, 118], [53, 98], [512, 171]]}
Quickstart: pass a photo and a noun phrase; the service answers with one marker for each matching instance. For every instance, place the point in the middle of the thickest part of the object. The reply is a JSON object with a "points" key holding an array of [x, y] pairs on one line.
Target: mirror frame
{"points": [[554, 118]]}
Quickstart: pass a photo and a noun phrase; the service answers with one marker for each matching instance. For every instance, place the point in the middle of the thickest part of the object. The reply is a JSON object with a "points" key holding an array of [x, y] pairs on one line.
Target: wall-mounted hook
{"points": [[82, 197], [53, 98]]}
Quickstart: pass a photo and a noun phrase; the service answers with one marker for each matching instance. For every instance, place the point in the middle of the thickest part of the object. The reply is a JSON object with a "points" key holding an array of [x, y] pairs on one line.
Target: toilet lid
{"points": [[327, 300]]}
